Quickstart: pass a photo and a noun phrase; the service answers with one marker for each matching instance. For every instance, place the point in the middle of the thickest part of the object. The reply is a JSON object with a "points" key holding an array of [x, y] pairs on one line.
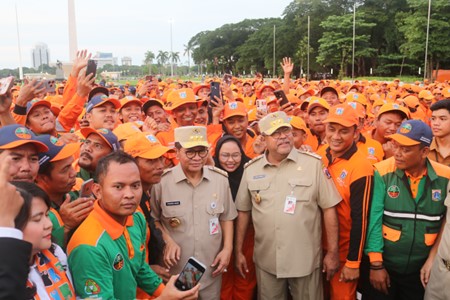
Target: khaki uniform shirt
{"points": [[287, 245], [436, 155], [444, 245], [174, 198]]}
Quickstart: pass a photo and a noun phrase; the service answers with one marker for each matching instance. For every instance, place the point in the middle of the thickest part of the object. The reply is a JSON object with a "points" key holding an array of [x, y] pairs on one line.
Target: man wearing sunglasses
{"points": [[193, 207]]}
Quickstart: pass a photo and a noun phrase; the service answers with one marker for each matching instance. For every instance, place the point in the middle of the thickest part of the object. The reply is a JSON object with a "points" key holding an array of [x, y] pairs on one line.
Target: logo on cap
{"points": [[396, 106], [405, 128], [183, 95], [151, 138], [103, 130], [232, 105], [355, 96], [23, 133], [339, 111], [55, 141], [195, 131], [352, 104]]}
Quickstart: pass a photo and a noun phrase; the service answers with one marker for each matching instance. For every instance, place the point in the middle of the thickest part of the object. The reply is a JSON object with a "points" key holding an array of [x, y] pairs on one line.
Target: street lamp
{"points": [[171, 48]]}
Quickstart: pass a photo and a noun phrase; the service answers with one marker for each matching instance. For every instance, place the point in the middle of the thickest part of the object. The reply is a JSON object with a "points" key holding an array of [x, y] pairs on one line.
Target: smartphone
{"points": [[86, 188], [49, 85], [261, 105], [192, 272], [149, 78], [214, 91], [227, 79], [280, 94], [91, 67], [6, 84]]}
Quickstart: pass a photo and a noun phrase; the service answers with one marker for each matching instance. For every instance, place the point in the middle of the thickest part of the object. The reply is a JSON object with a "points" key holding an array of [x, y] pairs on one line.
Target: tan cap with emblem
{"points": [[273, 121], [191, 136]]}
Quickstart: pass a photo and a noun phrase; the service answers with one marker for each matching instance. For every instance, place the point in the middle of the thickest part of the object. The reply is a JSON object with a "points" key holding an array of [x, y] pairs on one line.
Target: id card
{"points": [[213, 226], [289, 205]]}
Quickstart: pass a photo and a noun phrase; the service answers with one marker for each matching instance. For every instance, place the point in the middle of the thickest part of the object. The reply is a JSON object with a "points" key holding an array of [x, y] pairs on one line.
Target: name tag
{"points": [[173, 203]]}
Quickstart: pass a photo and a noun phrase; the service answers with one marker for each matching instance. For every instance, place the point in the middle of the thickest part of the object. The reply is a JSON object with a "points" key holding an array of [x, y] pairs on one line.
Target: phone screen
{"points": [[86, 188], [214, 91], [190, 276], [91, 67], [280, 94]]}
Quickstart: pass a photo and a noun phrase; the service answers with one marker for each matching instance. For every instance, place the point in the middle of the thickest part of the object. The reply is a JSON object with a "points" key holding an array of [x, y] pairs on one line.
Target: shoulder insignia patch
{"points": [[217, 170], [253, 160], [315, 155]]}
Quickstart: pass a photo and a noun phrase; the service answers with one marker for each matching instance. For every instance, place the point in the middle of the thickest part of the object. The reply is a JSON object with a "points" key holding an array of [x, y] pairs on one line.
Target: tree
{"points": [[413, 24], [187, 51], [162, 58], [336, 43], [149, 57]]}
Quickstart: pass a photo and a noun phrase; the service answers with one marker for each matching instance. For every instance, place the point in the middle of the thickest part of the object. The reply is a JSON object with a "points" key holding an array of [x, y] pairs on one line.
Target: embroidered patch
{"points": [[91, 287], [118, 262], [436, 195], [393, 191]]}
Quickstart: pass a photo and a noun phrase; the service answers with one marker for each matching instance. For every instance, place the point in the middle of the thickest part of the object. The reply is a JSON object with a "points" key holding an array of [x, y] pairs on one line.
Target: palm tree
{"points": [[162, 58], [149, 57], [174, 57], [187, 50]]}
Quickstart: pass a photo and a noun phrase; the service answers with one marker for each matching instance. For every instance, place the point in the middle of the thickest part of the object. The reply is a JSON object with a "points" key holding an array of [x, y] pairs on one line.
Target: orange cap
{"points": [[263, 86], [232, 109], [200, 86], [179, 97], [123, 131], [318, 102], [298, 123], [411, 101], [393, 107], [446, 92], [426, 94], [129, 99], [359, 108], [145, 146], [342, 114], [356, 97]]}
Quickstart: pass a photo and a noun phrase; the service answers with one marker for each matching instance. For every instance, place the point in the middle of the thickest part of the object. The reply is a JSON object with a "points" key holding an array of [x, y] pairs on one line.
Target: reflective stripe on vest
{"points": [[413, 216]]}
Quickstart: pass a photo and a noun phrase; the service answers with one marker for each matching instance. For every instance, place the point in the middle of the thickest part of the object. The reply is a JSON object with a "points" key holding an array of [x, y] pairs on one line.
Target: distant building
{"points": [[40, 55], [126, 61], [104, 58]]}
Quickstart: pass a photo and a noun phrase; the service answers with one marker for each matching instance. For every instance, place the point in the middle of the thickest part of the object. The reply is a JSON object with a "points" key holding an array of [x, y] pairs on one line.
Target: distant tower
{"points": [[73, 47]]}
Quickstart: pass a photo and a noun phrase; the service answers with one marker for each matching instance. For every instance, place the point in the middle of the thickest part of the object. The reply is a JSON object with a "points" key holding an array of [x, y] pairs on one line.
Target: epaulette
{"points": [[315, 155], [253, 160], [166, 171], [217, 170]]}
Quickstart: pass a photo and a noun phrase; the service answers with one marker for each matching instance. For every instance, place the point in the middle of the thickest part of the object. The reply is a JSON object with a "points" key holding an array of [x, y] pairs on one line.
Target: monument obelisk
{"points": [[73, 47]]}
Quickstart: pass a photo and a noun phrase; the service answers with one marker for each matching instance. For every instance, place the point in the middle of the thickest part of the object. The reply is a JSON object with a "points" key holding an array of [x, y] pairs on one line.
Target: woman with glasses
{"points": [[230, 157]]}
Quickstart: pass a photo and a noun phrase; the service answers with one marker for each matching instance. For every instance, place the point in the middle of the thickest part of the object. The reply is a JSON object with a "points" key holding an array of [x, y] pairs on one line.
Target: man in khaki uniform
{"points": [[436, 288], [284, 191], [193, 207]]}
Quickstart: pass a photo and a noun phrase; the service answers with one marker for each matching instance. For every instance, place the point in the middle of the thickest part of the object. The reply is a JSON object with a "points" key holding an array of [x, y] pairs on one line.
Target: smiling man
{"points": [[285, 192], [21, 145], [101, 112], [406, 215], [352, 174], [130, 109], [196, 213], [440, 125]]}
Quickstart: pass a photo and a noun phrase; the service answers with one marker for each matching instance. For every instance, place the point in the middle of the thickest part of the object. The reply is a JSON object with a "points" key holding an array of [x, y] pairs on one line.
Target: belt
{"points": [[446, 263]]}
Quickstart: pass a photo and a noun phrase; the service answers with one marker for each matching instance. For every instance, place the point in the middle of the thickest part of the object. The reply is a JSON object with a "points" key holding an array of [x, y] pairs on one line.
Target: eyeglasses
{"points": [[97, 146], [191, 153], [226, 156], [286, 131]]}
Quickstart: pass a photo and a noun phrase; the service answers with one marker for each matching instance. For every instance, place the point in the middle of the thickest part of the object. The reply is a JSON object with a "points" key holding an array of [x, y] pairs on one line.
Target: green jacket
{"points": [[401, 227]]}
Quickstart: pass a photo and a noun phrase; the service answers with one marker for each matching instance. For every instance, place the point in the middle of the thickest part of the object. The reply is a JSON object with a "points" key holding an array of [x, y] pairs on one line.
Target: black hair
{"points": [[442, 104], [28, 191], [46, 169], [119, 157]]}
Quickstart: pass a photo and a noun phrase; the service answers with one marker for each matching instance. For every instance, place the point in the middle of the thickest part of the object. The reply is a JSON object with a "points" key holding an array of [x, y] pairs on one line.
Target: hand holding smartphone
{"points": [[190, 275], [91, 67], [6, 84], [86, 188], [280, 94], [214, 91]]}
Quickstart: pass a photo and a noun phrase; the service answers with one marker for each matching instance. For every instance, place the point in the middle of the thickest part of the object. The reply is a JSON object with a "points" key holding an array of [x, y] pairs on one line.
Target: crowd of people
{"points": [[337, 190]]}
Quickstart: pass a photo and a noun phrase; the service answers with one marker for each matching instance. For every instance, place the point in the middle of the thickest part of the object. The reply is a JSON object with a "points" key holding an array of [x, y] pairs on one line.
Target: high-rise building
{"points": [[40, 55]]}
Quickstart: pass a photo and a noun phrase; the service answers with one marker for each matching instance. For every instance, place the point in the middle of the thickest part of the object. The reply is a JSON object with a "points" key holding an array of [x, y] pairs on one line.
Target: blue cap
{"points": [[107, 135], [413, 132], [13, 136], [57, 149], [36, 102], [100, 100]]}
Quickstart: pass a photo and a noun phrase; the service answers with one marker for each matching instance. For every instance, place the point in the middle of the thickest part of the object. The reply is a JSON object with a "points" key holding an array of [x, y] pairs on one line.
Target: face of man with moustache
{"points": [[91, 151]]}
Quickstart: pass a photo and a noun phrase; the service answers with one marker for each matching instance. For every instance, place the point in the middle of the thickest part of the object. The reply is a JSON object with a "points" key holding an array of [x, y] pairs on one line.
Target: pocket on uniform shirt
{"points": [[215, 208], [259, 188], [391, 234], [174, 216], [301, 188], [431, 235]]}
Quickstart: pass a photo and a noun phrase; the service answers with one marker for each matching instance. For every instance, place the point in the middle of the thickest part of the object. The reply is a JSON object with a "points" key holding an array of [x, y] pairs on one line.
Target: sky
{"points": [[125, 27]]}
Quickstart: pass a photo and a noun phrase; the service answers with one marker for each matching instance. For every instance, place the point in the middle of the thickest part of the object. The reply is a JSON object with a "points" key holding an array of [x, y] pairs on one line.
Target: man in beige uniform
{"points": [[437, 285], [194, 209], [284, 191]]}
